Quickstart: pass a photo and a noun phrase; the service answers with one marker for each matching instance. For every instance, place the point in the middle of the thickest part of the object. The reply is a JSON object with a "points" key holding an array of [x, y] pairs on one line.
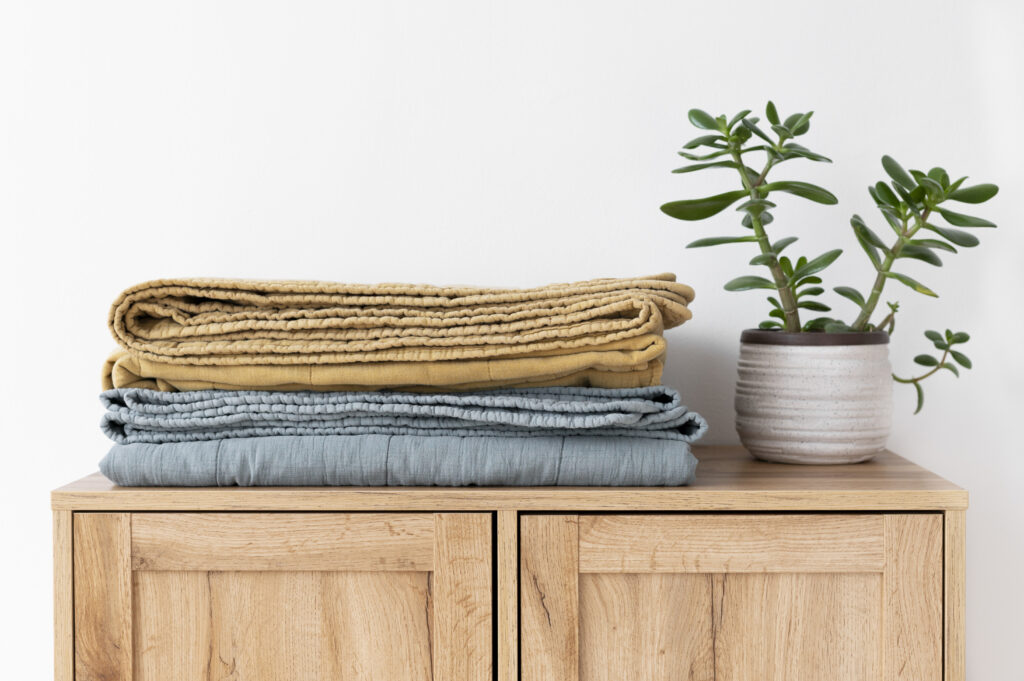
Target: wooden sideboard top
{"points": [[728, 479]]}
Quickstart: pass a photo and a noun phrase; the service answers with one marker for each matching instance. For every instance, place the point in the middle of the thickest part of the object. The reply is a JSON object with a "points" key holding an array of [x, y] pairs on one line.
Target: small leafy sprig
{"points": [[945, 344], [731, 139], [909, 204]]}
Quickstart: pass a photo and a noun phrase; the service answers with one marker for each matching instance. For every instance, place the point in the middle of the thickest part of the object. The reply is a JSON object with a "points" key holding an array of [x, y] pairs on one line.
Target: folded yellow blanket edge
{"points": [[319, 341], [631, 363]]}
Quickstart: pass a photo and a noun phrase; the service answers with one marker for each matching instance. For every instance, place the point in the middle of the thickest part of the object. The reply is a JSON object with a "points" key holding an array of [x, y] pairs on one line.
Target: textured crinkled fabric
{"points": [[148, 416], [192, 334]]}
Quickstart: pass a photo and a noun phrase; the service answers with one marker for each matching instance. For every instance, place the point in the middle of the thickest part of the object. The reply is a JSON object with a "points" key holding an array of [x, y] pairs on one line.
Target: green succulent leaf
{"points": [[766, 219], [979, 193], [763, 259], [704, 141], [798, 123], [748, 282], [897, 173], [792, 148], [752, 127], [702, 119], [920, 253], [912, 283], [850, 294], [926, 361], [702, 166], [737, 118], [934, 336], [814, 305], [782, 131], [920, 397], [956, 236], [815, 265], [951, 367], [810, 291], [755, 206], [698, 209], [869, 234], [960, 337], [932, 243], [940, 176], [769, 325], [802, 189], [719, 240], [771, 113], [961, 359], [961, 220], [887, 195], [781, 244], [703, 157]]}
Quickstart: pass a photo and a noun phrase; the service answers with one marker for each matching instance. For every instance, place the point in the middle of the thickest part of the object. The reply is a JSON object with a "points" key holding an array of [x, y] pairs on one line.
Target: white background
{"points": [[497, 143]]}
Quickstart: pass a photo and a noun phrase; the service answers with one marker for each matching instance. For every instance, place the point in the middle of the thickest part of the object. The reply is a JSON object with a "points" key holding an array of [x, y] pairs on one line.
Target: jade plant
{"points": [[909, 203]]}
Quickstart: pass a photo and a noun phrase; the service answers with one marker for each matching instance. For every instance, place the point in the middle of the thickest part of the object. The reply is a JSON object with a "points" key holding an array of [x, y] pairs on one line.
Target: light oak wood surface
{"points": [[954, 584], [728, 479], [283, 541], [549, 597], [462, 631], [912, 637], [508, 595], [852, 571], [103, 597], [731, 543], [63, 598], [263, 597], [601, 599]]}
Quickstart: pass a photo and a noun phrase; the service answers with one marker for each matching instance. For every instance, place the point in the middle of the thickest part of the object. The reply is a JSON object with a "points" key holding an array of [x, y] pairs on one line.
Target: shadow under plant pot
{"points": [[814, 398]]}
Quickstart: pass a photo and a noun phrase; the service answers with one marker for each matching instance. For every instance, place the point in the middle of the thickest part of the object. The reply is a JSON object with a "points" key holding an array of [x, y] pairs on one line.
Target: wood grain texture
{"points": [[508, 596], [103, 597], [797, 627], [265, 626], [549, 597], [645, 627], [955, 563], [912, 631], [731, 543], [463, 629], [728, 480], [63, 595], [283, 541]]}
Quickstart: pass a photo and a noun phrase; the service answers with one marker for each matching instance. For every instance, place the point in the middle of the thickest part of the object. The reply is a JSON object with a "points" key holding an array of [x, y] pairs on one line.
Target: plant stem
{"points": [[945, 356], [786, 296], [861, 323]]}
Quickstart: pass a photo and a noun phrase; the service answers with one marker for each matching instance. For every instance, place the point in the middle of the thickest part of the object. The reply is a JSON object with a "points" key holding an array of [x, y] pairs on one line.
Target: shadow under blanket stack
{"points": [[231, 382]]}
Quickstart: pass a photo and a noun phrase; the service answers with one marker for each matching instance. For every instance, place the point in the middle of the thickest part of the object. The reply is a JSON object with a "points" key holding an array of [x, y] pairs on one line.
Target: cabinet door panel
{"points": [[732, 597], [271, 596]]}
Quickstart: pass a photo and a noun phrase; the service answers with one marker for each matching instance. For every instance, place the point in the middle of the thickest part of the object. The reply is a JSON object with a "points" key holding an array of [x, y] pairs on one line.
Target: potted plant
{"points": [[820, 390]]}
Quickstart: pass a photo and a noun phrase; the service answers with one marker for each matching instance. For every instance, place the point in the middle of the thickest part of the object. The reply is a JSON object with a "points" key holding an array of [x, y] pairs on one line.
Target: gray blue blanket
{"points": [[544, 436]]}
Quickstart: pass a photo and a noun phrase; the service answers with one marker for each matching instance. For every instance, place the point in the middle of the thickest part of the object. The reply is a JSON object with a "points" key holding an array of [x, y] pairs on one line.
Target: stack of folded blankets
{"points": [[229, 382]]}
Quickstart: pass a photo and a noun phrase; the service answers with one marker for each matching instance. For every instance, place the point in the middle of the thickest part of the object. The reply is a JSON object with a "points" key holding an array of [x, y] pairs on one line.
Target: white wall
{"points": [[505, 143]]}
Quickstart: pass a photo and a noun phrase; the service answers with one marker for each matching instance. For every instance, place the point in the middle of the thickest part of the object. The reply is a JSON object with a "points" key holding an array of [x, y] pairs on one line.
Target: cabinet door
{"points": [[272, 596], [731, 597]]}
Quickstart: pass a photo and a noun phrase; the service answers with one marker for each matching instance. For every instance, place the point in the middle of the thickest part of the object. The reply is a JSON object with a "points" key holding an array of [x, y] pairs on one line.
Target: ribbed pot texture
{"points": [[813, 401]]}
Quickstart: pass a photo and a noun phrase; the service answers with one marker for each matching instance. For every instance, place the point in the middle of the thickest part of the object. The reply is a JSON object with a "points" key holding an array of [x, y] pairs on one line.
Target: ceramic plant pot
{"points": [[814, 398]]}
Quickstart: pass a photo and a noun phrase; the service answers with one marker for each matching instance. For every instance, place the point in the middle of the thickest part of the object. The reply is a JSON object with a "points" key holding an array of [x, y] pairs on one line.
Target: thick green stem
{"points": [[861, 323], [786, 296]]}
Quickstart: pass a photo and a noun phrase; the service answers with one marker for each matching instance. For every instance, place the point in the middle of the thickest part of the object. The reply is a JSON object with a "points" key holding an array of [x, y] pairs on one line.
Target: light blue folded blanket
{"points": [[378, 460], [539, 436], [136, 416]]}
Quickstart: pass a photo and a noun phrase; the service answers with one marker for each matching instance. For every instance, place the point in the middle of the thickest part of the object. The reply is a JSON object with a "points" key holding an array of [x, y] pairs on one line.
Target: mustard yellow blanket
{"points": [[193, 334]]}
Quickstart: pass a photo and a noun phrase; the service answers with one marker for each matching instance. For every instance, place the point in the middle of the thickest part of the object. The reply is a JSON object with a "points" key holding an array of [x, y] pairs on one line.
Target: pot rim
{"points": [[812, 338]]}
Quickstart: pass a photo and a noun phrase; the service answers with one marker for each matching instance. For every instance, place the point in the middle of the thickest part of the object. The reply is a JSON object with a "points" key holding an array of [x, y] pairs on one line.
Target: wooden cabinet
{"points": [[760, 572], [180, 596], [741, 597]]}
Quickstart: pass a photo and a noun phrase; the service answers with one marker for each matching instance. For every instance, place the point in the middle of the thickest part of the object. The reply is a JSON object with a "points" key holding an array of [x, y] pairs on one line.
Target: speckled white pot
{"points": [[814, 398]]}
